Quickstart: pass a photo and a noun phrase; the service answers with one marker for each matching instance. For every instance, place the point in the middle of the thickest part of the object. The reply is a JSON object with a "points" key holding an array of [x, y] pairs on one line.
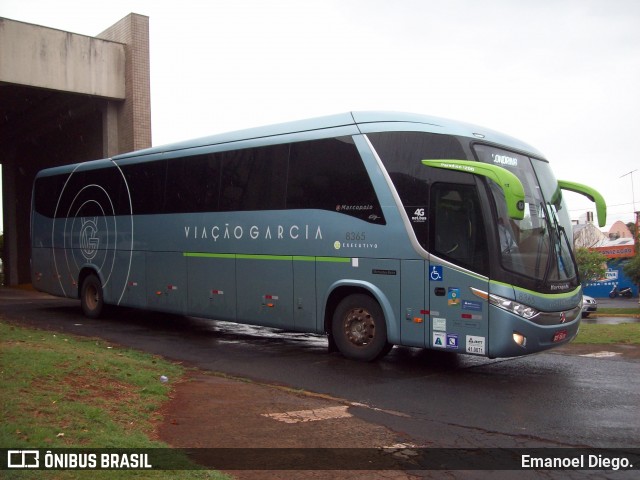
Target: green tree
{"points": [[632, 269], [591, 264]]}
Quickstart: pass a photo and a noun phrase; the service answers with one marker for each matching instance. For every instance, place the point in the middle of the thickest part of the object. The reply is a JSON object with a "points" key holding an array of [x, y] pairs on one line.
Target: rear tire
{"points": [[359, 328], [91, 297]]}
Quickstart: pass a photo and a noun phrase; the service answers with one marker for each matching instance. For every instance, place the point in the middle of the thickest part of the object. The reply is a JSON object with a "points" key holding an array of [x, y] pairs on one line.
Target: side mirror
{"points": [[591, 194], [510, 184]]}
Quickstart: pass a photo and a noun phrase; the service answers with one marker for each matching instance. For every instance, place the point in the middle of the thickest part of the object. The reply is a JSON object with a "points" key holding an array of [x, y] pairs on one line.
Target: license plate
{"points": [[559, 336]]}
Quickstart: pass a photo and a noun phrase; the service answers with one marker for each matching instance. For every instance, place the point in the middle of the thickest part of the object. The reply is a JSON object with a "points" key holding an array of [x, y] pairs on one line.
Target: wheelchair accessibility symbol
{"points": [[436, 273]]}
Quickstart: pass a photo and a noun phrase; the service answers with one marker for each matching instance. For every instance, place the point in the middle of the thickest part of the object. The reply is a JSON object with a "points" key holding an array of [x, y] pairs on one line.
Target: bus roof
{"points": [[361, 121]]}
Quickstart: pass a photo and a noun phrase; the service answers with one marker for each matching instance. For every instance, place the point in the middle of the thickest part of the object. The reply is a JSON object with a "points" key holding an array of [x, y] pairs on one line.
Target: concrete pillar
{"points": [[110, 130], [10, 222], [134, 114]]}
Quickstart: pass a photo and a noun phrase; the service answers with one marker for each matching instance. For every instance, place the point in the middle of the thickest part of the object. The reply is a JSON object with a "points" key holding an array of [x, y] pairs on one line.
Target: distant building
{"points": [[587, 235], [617, 245], [620, 230]]}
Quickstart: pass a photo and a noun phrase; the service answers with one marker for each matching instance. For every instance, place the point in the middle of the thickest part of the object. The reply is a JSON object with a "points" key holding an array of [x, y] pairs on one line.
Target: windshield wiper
{"points": [[545, 213], [559, 233]]}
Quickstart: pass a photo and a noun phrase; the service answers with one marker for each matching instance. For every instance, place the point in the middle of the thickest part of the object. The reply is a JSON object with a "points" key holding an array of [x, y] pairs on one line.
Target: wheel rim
{"points": [[359, 327], [92, 297]]}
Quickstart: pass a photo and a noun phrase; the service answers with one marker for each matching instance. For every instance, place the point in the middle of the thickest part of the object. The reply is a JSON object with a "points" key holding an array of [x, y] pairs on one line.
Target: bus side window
{"points": [[254, 179], [330, 175], [146, 181], [458, 232], [193, 184]]}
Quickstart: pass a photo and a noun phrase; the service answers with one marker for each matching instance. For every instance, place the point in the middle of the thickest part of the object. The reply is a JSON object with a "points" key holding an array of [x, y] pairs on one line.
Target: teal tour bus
{"points": [[377, 229]]}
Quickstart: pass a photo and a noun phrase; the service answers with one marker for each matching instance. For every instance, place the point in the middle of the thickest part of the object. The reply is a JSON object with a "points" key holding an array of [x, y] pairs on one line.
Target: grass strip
{"points": [[618, 311], [622, 333], [61, 391]]}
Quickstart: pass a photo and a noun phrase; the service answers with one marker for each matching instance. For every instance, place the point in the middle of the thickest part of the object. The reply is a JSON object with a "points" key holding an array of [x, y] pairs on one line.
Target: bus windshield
{"points": [[537, 246]]}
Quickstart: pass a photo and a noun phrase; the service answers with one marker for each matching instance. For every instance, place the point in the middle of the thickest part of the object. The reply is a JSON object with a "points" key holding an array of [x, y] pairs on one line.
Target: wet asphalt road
{"points": [[436, 398]]}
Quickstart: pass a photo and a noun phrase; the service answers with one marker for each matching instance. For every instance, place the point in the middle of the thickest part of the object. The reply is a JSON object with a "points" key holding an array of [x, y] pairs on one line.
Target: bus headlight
{"points": [[524, 311]]}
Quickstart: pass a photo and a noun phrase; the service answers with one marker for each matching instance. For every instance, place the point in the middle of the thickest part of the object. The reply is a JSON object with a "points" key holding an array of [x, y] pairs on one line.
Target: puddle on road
{"points": [[601, 354]]}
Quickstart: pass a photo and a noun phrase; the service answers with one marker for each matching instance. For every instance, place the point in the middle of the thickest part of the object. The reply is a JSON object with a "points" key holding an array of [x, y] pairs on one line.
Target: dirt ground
{"points": [[207, 410], [210, 411]]}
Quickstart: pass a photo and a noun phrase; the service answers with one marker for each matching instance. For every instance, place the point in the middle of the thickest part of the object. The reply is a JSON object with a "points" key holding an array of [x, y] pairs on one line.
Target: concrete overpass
{"points": [[65, 98]]}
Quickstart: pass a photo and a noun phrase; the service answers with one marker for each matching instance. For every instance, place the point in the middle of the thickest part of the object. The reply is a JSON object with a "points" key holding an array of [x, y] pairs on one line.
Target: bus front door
{"points": [[459, 321], [458, 318]]}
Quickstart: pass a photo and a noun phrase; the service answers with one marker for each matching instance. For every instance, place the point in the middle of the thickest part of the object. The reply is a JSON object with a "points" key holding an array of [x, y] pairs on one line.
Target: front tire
{"points": [[359, 328], [91, 297]]}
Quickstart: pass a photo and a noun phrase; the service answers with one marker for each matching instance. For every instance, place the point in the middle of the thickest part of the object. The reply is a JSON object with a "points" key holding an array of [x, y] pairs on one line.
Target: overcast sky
{"points": [[562, 75]]}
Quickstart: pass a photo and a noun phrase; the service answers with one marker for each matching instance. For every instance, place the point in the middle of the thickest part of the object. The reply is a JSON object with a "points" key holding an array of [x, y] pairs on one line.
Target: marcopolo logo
{"points": [[353, 208]]}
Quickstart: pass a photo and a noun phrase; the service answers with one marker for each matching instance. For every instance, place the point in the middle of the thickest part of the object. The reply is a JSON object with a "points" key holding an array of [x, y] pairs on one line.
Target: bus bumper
{"points": [[513, 336]]}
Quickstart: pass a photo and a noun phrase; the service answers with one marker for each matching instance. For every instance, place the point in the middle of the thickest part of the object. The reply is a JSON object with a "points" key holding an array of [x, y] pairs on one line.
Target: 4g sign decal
{"points": [[418, 215]]}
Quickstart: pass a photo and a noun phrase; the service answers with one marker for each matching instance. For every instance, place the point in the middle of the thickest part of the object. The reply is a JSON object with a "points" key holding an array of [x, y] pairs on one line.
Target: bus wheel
{"points": [[91, 297], [359, 328]]}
